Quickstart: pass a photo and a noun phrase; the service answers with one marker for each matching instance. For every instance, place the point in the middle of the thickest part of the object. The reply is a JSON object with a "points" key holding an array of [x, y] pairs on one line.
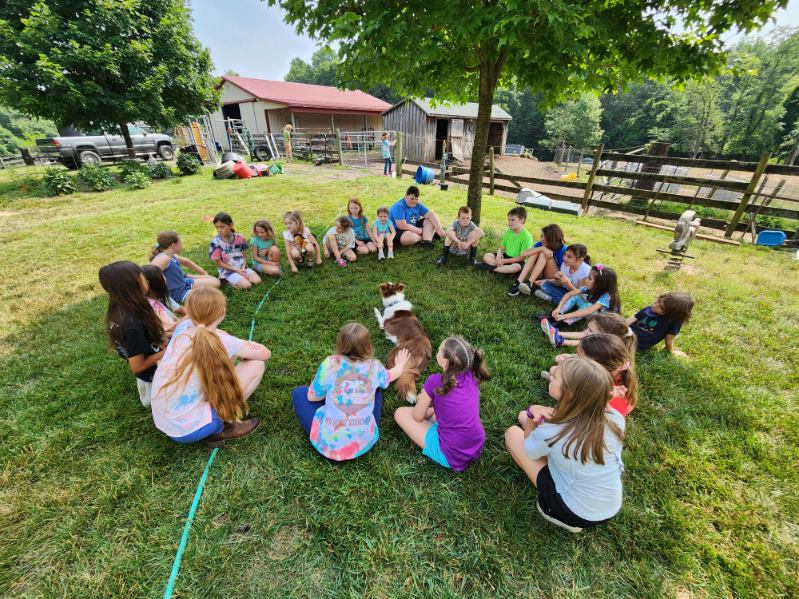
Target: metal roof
{"points": [[458, 111]]}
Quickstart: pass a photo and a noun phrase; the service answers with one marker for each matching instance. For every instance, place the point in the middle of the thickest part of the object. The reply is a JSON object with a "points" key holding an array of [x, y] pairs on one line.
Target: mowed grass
{"points": [[93, 498]]}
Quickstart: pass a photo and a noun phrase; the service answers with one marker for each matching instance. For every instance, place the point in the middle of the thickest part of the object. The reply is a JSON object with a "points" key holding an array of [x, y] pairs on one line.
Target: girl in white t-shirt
{"points": [[575, 267], [572, 453], [301, 246], [197, 392]]}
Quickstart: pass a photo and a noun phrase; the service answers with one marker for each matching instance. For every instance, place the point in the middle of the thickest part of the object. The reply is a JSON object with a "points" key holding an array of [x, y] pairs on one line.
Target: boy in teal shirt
{"points": [[517, 239]]}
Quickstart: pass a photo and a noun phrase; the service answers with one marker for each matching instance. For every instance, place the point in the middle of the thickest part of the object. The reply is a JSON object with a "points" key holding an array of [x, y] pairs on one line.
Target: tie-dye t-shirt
{"points": [[231, 252], [181, 409], [345, 428]]}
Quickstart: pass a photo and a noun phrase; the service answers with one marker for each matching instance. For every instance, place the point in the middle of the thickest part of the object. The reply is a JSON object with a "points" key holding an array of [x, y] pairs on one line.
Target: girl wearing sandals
{"points": [[572, 453], [197, 392], [340, 242]]}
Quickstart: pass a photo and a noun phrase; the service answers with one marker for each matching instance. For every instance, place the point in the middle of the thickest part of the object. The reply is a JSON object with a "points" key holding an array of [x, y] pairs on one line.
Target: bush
{"points": [[188, 164], [58, 182], [137, 180], [129, 166], [96, 178], [160, 170]]}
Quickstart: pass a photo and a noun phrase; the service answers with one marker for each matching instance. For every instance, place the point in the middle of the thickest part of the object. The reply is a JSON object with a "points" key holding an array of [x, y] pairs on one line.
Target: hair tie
{"points": [[465, 349], [200, 326], [156, 246], [599, 268], [629, 333]]}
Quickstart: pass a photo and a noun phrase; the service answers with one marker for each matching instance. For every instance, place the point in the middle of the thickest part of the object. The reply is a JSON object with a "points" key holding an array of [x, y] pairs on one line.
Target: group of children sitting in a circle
{"points": [[197, 379]]}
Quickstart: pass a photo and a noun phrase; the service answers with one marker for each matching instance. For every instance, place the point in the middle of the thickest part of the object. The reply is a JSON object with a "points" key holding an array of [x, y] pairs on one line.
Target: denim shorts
{"points": [[432, 447], [212, 428]]}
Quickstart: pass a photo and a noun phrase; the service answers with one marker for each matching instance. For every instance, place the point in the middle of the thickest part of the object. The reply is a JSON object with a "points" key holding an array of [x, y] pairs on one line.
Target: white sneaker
{"points": [[541, 295], [545, 375], [380, 255], [525, 288], [574, 529], [391, 254]]}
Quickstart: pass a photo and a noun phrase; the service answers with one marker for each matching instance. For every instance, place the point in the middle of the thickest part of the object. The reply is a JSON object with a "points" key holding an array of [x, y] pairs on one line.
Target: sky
{"points": [[251, 38]]}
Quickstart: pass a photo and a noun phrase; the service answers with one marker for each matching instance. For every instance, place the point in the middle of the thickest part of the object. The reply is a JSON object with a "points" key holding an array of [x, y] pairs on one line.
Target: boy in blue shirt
{"points": [[662, 321]]}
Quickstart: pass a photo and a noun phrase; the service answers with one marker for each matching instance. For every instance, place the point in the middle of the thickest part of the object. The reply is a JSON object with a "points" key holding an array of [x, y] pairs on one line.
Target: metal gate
{"points": [[362, 149]]}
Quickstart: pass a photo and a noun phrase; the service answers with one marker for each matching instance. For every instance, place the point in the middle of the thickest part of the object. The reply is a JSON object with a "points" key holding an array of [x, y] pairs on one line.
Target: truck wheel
{"points": [[89, 158], [70, 164], [166, 152]]}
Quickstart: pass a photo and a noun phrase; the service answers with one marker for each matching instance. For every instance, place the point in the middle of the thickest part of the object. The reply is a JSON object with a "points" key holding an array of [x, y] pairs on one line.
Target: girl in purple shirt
{"points": [[445, 422]]}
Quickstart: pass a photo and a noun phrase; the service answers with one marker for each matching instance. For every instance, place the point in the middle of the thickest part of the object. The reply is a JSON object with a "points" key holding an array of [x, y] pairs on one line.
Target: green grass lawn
{"points": [[93, 498]]}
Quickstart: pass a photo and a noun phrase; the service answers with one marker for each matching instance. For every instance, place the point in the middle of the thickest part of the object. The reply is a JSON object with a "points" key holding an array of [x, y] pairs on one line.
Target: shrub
{"points": [[160, 170], [137, 180], [188, 164], [96, 178], [129, 166], [58, 182]]}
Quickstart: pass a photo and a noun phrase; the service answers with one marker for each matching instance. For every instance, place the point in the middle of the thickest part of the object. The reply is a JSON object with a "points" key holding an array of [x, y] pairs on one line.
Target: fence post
{"points": [[491, 170], [398, 153], [594, 167], [340, 153], [761, 166]]}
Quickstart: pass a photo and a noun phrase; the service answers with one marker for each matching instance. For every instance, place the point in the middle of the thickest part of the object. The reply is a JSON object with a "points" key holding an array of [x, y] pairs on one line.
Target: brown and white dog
{"points": [[403, 329]]}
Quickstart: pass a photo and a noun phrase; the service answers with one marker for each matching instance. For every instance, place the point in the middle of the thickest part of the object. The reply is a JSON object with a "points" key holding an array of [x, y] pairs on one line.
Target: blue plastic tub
{"points": [[768, 238], [424, 175]]}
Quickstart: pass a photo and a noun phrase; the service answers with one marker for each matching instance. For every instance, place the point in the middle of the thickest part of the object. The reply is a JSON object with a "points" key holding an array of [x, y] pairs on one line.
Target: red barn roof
{"points": [[303, 97]]}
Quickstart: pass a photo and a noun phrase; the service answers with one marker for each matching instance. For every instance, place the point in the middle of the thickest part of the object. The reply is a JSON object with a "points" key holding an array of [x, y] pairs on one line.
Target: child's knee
{"points": [[401, 414]]}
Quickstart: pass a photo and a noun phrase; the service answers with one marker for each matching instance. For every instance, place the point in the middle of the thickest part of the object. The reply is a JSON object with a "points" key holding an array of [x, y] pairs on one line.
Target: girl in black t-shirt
{"points": [[132, 325]]}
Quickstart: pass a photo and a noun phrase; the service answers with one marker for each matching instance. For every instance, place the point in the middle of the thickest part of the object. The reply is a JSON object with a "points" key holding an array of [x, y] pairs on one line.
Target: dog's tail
{"points": [[406, 384]]}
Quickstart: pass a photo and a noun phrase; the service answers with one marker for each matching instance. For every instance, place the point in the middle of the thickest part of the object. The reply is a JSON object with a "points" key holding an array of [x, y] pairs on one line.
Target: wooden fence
{"points": [[647, 180]]}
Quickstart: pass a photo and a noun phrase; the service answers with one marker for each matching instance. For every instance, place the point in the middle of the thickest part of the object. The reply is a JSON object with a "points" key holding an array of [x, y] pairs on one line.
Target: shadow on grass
{"points": [[96, 495]]}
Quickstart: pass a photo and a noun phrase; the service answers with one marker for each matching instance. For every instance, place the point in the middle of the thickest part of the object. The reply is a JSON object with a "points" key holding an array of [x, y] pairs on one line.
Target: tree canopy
{"points": [[557, 48], [98, 63], [575, 123]]}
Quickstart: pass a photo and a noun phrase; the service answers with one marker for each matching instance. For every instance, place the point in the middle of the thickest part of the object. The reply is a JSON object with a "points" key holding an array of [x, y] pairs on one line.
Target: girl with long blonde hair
{"points": [[572, 453], [198, 394]]}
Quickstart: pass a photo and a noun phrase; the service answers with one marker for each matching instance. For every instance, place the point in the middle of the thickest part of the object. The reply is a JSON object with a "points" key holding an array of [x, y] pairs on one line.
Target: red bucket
{"points": [[242, 171]]}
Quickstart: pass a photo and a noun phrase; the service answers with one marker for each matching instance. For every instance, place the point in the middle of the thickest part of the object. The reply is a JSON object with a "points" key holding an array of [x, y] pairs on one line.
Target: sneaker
{"points": [[484, 266], [551, 520], [391, 254], [514, 289], [341, 262], [545, 324], [425, 243], [237, 430], [543, 296], [546, 376], [380, 255], [525, 288]]}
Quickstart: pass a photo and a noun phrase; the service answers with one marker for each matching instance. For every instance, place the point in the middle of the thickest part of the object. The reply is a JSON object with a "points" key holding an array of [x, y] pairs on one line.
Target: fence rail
{"points": [[738, 203]]}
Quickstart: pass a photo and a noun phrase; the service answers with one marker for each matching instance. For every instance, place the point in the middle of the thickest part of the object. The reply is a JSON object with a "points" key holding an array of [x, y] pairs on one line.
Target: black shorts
{"points": [[553, 505]]}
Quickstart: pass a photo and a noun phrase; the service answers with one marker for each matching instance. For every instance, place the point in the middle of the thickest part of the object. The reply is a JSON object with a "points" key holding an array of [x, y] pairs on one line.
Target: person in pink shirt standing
{"points": [[445, 422]]}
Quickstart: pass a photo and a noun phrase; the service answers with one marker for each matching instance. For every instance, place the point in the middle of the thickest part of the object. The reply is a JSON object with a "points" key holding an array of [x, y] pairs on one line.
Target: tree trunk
{"points": [[489, 76], [123, 127], [792, 157]]}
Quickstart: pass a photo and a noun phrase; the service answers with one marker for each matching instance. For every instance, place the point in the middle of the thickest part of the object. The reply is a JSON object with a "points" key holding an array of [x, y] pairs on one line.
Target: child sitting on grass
{"points": [[198, 394], [662, 321], [169, 312], [542, 260], [166, 256], [264, 253], [301, 245], [462, 238], [340, 241], [383, 233], [598, 322], [445, 422], [617, 358], [599, 293], [132, 326], [228, 250], [516, 240], [572, 453], [364, 244], [349, 382], [575, 267]]}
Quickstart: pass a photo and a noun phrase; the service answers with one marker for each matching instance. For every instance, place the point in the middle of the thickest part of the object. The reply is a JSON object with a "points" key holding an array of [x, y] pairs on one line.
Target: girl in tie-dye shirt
{"points": [[350, 382]]}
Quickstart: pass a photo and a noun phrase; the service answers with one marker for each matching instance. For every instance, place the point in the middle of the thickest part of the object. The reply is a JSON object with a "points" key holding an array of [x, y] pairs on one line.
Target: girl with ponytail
{"points": [[197, 392], [166, 256], [445, 422]]}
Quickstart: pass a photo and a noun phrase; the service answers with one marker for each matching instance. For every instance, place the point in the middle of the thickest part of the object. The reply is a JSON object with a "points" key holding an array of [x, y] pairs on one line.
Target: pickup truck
{"points": [[95, 146]]}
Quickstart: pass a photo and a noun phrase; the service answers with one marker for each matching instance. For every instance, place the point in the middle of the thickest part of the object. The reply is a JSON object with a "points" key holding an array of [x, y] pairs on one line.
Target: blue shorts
{"points": [[212, 428], [432, 448]]}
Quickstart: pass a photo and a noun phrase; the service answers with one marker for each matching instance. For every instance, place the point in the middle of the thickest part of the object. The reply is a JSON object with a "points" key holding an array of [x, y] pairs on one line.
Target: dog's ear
{"points": [[400, 287]]}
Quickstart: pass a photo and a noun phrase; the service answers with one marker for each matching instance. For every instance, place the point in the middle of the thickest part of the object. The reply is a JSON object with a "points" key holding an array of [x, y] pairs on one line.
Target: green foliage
{"points": [[96, 178], [321, 70], [188, 164], [160, 170], [99, 64], [574, 123], [18, 131], [58, 182], [131, 166], [137, 180], [527, 126], [690, 118], [629, 115]]}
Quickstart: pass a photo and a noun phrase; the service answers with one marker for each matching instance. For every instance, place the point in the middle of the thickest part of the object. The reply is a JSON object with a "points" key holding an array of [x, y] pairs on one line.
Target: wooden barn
{"points": [[425, 127]]}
